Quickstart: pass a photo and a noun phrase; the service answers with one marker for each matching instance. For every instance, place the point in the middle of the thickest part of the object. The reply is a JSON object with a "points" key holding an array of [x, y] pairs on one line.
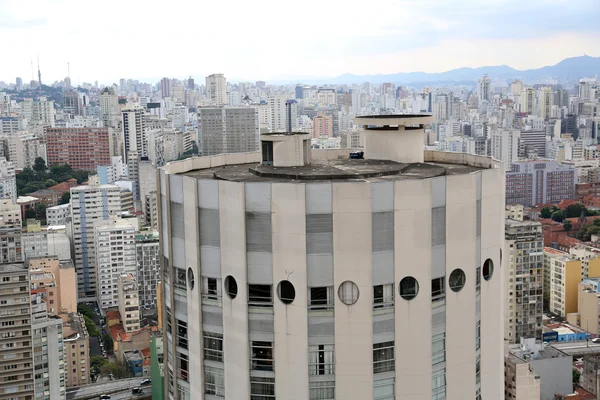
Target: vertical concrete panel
{"points": [[289, 263], [235, 311], [492, 291], [194, 311], [412, 221], [461, 199], [352, 262]]}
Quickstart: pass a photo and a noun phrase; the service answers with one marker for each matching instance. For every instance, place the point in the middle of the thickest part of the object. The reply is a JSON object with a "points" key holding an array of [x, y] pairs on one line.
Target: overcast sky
{"points": [[274, 39]]}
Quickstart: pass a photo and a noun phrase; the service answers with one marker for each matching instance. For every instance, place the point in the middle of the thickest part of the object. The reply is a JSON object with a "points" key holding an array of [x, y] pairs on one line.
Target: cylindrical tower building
{"points": [[299, 274]]}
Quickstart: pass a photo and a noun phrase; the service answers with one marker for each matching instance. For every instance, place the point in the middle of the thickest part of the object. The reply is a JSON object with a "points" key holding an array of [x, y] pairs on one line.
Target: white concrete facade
{"points": [[323, 234]]}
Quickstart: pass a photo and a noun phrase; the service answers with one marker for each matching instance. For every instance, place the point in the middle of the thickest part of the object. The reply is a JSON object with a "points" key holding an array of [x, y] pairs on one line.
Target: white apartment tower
{"points": [[134, 134], [280, 111], [524, 280], [216, 89], [505, 144], [90, 204], [383, 283], [8, 182], [228, 130], [484, 88], [115, 256]]}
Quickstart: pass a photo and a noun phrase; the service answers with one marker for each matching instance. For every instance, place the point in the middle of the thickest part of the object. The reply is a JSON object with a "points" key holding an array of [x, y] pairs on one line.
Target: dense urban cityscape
{"points": [[205, 239]]}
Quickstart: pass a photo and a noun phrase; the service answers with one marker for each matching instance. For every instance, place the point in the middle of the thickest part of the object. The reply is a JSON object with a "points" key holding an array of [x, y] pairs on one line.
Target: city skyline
{"points": [[408, 36]]}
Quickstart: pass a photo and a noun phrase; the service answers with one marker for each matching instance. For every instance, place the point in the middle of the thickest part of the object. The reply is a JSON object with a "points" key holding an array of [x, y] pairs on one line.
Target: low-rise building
{"points": [[77, 349], [10, 214], [58, 215], [562, 274], [552, 366], [134, 361], [520, 380]]}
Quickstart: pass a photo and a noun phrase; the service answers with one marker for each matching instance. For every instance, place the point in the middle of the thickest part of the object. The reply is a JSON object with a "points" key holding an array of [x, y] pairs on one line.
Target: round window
{"points": [[348, 293], [488, 269], [286, 292], [457, 280], [231, 287], [408, 288], [190, 278]]}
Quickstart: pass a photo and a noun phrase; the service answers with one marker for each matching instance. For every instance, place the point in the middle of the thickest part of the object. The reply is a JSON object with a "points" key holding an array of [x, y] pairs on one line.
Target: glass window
{"points": [[322, 390], [478, 370], [438, 384], [478, 336], [214, 381], [321, 360], [262, 356], [383, 357], [211, 288], [408, 288], [457, 280], [383, 295], [213, 346], [438, 290], [262, 388], [488, 269], [438, 349], [348, 293], [260, 296], [384, 389], [320, 298]]}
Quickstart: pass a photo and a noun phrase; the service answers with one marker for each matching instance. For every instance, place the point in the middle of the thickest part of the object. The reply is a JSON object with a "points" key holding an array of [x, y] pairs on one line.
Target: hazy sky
{"points": [[273, 39]]}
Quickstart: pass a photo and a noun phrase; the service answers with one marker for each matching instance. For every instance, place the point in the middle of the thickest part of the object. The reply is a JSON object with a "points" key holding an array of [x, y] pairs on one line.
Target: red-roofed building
{"points": [[64, 187], [579, 394]]}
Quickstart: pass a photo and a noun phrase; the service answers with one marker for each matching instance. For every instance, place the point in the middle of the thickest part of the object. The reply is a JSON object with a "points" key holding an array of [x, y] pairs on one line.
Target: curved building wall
{"points": [[319, 235]]}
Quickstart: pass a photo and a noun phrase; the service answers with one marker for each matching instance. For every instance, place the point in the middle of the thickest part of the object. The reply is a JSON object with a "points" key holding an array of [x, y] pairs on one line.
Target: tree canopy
{"points": [[39, 176]]}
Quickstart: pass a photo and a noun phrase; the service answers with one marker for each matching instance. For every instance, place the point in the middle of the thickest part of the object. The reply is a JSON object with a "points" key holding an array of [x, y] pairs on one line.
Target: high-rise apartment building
{"points": [[8, 181], [528, 100], [539, 182], [545, 100], [322, 126], [81, 148], [165, 87], [505, 144], [484, 88], [147, 248], [115, 255], [90, 204], [282, 282], [128, 299], [523, 257], [279, 111], [134, 134], [562, 274], [109, 107], [31, 370], [228, 130], [216, 89], [533, 141]]}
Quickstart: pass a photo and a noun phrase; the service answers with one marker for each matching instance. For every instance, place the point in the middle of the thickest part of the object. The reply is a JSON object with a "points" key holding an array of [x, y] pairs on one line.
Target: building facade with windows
{"points": [[539, 182], [283, 283]]}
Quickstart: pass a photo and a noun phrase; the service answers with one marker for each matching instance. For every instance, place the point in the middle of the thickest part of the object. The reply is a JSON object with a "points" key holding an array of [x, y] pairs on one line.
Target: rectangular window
{"points": [[214, 381], [438, 349], [478, 279], [478, 336], [478, 370], [383, 357], [213, 346], [260, 296], [262, 388], [438, 289], [321, 360], [211, 288], [180, 279], [383, 295], [438, 384], [320, 298], [322, 390], [262, 356], [384, 389], [438, 226]]}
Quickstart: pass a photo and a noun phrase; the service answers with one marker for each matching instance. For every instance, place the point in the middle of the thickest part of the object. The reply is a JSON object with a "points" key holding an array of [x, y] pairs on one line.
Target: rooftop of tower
{"points": [[394, 149]]}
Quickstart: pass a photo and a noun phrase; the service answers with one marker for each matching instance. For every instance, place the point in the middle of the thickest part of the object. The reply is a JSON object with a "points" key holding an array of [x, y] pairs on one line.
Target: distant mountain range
{"points": [[568, 70]]}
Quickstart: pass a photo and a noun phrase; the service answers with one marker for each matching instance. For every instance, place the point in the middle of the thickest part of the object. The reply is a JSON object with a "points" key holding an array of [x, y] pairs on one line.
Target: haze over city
{"points": [[274, 40]]}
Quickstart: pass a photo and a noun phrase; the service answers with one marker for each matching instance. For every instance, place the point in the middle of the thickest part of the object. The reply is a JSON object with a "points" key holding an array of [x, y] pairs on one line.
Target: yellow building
{"points": [[590, 259], [562, 274]]}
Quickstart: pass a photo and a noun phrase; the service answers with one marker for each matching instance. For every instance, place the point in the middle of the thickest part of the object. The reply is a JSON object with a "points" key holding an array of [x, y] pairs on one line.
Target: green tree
{"points": [[558, 216], [39, 165], [66, 197], [592, 230], [96, 363], [576, 377], [91, 327], [86, 311], [567, 225], [574, 210], [118, 370], [50, 182], [108, 342], [545, 212]]}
